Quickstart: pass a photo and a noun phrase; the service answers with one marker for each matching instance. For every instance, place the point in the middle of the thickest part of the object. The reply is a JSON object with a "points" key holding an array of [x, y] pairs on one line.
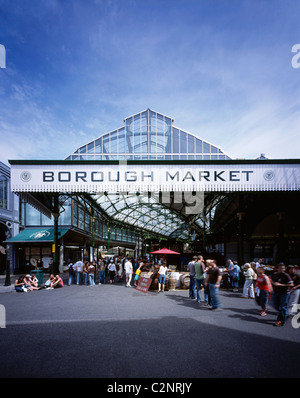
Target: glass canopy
{"points": [[149, 135], [145, 136]]}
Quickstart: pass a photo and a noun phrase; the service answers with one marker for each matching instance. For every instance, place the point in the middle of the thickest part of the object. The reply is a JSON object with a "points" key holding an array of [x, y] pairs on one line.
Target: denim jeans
{"points": [[280, 302], [199, 284], [79, 278], [214, 296], [92, 279], [192, 286], [263, 299], [102, 277]]}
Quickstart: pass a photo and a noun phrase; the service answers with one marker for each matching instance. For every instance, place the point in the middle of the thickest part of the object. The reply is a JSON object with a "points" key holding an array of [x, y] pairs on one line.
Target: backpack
{"points": [[71, 269]]}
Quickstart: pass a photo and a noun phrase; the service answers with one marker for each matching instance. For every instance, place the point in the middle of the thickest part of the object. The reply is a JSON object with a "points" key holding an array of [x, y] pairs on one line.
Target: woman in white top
{"points": [[162, 277]]}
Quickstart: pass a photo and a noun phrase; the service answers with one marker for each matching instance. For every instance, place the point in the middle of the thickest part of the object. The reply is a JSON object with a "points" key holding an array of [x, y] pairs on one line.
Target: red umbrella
{"points": [[164, 251]]}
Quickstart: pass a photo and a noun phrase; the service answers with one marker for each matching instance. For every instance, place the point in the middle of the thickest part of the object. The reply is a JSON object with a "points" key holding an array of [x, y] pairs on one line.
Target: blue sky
{"points": [[221, 68]]}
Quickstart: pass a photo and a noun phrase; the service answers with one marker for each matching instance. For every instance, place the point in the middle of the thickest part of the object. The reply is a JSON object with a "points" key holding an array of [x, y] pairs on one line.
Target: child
{"points": [[137, 274]]}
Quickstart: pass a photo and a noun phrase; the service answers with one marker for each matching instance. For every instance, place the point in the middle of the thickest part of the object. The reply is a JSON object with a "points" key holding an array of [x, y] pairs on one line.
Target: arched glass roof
{"points": [[148, 135]]}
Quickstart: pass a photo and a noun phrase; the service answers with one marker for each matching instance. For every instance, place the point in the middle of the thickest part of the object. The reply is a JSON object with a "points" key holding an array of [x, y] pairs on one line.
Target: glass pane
{"points": [[144, 122], [113, 142], [106, 144], [160, 123], [137, 127], [129, 124], [152, 122], [90, 147], [183, 143], [198, 146], [98, 145], [191, 144], [121, 141], [32, 215], [206, 147], [175, 141]]}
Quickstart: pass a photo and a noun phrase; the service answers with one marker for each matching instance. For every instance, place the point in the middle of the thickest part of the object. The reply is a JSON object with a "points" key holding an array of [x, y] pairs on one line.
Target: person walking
{"points": [[213, 280], [294, 292], [235, 276], [206, 287], [263, 290], [199, 277], [248, 285], [281, 282], [128, 271], [230, 271], [191, 268]]}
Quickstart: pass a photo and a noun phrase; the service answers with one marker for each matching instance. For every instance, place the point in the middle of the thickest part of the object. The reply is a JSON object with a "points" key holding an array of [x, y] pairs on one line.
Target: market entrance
{"points": [[192, 202]]}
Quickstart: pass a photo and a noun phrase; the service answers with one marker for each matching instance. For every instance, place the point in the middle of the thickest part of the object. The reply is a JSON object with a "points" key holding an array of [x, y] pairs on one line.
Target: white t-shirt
{"points": [[128, 267], [162, 270], [78, 266]]}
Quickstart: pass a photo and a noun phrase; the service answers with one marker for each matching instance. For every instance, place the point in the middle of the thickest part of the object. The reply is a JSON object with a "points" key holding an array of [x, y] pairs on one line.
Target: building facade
{"points": [[249, 206], [9, 218]]}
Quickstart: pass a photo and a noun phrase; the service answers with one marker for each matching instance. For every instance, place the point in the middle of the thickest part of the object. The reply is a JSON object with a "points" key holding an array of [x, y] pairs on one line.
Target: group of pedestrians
{"points": [[281, 288], [109, 270], [207, 275]]}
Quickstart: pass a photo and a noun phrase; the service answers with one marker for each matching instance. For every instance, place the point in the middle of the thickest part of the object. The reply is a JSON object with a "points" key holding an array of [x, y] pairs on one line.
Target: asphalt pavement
{"points": [[111, 331]]}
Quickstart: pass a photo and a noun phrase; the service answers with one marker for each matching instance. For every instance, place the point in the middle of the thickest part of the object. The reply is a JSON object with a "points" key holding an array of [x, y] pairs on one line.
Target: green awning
{"points": [[32, 235]]}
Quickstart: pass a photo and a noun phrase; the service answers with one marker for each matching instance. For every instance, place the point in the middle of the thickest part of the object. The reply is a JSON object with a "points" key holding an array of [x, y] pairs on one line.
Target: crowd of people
{"points": [[108, 270], [281, 287]]}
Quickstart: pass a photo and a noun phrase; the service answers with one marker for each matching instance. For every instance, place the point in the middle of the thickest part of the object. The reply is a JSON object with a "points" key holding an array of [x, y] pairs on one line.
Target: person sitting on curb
{"points": [[34, 281], [20, 284], [54, 282], [57, 282], [28, 283]]}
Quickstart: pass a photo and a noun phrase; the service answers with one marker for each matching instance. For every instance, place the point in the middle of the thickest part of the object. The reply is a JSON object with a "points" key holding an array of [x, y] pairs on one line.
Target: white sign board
{"points": [[97, 177]]}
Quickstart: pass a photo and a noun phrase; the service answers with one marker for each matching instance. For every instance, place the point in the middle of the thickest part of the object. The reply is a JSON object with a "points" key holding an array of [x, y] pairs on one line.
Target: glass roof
{"points": [[144, 212], [149, 135]]}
